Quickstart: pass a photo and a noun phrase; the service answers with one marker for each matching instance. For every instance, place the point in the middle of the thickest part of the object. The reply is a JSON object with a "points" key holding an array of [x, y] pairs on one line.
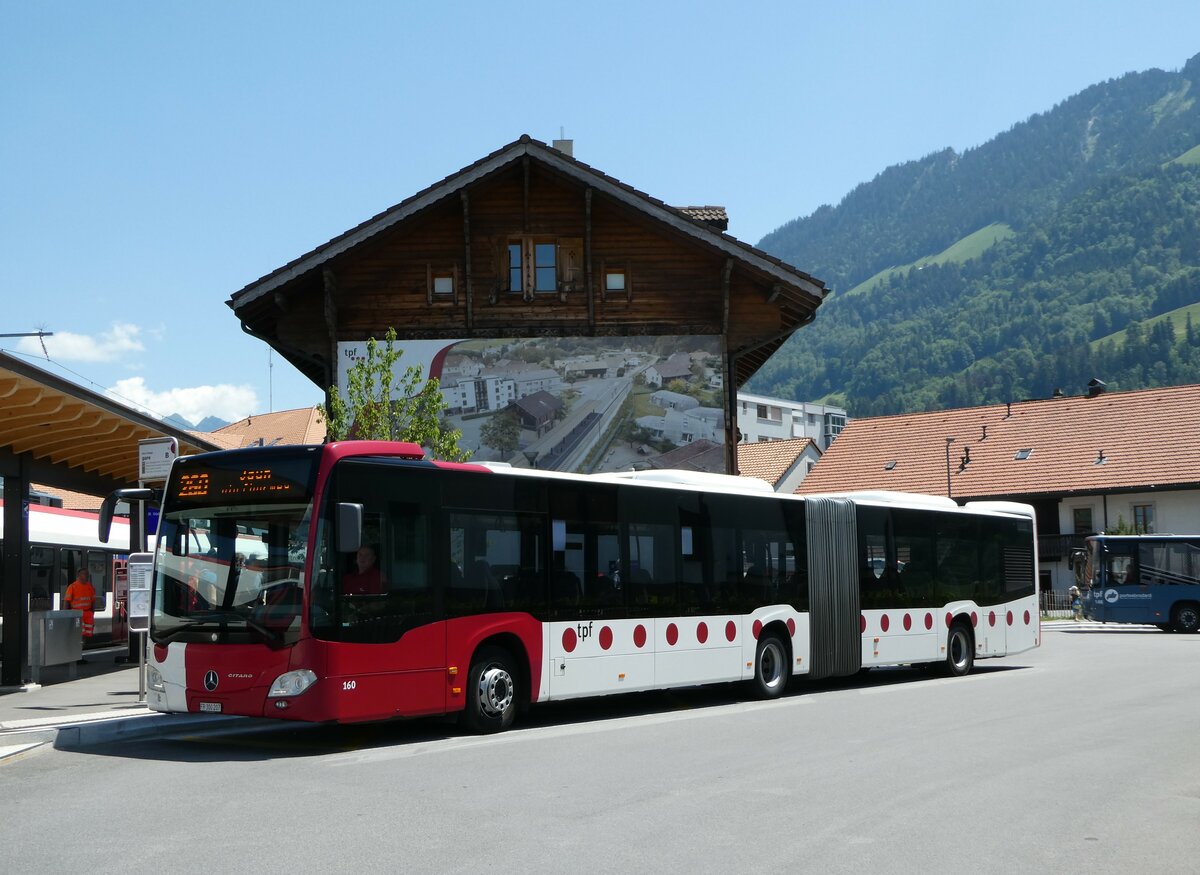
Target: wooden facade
{"points": [[593, 257]]}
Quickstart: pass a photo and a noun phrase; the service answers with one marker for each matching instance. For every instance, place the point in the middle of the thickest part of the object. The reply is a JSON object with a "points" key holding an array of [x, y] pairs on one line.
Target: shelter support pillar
{"points": [[14, 584]]}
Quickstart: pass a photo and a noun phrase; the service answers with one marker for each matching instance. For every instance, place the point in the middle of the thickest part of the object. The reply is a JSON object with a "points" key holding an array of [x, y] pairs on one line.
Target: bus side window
{"points": [[41, 574], [98, 565], [70, 560]]}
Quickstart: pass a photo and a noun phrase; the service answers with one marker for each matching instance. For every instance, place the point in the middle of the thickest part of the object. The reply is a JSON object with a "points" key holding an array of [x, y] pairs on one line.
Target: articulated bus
{"points": [[490, 588], [60, 543], [1151, 579]]}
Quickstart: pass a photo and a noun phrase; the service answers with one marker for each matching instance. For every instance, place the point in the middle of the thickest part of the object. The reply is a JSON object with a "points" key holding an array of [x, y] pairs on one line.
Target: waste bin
{"points": [[55, 638]]}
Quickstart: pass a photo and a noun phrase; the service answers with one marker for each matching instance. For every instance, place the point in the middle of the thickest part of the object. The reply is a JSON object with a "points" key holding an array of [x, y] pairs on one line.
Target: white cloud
{"points": [[226, 402], [119, 341]]}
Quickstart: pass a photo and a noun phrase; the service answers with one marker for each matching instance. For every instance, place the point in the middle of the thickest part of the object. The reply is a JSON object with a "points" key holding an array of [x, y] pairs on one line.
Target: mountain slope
{"points": [[1104, 231]]}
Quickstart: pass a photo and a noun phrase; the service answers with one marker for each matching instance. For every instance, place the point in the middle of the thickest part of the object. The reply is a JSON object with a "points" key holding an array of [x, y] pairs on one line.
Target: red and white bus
{"points": [[60, 543], [500, 587]]}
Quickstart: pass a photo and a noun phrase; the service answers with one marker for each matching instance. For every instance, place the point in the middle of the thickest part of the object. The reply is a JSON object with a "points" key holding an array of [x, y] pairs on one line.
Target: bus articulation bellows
{"points": [[385, 585]]}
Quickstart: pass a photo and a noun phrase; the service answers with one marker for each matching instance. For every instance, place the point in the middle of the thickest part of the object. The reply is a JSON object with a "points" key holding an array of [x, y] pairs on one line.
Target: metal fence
{"points": [[1056, 605]]}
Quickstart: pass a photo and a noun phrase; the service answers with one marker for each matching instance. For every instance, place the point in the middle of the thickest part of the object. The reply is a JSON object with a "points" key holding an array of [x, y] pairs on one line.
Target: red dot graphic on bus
{"points": [[862, 622], [639, 636], [605, 638], [702, 632], [907, 622], [974, 619], [1027, 618], [730, 630], [991, 618], [569, 640], [884, 622], [756, 629], [672, 634], [949, 619], [1010, 618], [928, 620], [791, 624]]}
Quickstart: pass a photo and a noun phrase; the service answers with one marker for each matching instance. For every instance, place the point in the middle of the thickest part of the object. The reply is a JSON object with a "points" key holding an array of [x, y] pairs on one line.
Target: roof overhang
{"points": [[71, 437], [796, 293]]}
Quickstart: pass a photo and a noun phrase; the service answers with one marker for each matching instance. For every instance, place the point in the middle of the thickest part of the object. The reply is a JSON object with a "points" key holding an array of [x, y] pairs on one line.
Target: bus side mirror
{"points": [[349, 526], [109, 507]]}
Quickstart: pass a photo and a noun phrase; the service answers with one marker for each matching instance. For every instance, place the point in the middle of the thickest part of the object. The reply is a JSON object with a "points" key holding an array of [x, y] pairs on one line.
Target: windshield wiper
{"points": [[222, 618]]}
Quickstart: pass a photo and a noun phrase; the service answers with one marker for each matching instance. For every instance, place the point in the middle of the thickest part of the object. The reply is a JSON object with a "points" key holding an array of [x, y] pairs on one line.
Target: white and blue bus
{"points": [[1148, 579]]}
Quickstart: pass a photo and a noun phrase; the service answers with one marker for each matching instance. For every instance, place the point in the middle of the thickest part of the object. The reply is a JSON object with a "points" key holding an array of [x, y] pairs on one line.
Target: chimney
{"points": [[567, 147], [1095, 387]]}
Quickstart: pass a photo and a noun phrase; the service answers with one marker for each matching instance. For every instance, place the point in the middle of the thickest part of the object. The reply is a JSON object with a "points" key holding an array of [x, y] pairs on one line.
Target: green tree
{"points": [[379, 405], [502, 432]]}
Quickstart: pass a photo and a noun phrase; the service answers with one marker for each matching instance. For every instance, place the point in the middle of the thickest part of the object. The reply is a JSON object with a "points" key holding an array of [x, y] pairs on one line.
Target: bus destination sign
{"points": [[235, 483]]}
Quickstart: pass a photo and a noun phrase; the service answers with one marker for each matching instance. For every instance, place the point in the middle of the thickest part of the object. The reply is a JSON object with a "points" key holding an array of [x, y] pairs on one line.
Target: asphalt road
{"points": [[1080, 756]]}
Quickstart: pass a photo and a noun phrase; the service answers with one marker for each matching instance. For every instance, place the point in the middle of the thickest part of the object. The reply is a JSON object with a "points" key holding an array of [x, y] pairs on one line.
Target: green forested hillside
{"points": [[988, 277]]}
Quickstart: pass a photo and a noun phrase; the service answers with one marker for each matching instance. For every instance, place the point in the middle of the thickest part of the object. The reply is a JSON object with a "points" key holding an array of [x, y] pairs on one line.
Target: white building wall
{"points": [[786, 419]]}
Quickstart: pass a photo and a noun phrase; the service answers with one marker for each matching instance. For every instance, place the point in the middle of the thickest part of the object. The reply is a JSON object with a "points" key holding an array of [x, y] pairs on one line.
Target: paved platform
{"points": [[99, 704]]}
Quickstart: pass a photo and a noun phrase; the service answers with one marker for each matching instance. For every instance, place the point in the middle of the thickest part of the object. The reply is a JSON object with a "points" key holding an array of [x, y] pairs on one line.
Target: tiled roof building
{"points": [[783, 464], [303, 426]]}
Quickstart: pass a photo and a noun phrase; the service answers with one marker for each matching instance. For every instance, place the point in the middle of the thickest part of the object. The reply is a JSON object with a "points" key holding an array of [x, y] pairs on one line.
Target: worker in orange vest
{"points": [[81, 596]]}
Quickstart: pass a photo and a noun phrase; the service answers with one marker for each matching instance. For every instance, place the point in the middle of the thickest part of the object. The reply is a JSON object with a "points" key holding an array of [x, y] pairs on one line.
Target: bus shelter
{"points": [[55, 432]]}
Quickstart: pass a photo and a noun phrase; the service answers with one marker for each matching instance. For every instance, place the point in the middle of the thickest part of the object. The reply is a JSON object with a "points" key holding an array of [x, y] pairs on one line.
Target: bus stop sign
{"points": [[140, 567], [155, 456]]}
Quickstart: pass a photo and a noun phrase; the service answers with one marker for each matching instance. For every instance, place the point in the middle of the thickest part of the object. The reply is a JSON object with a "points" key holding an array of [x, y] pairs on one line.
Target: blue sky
{"points": [[157, 157]]}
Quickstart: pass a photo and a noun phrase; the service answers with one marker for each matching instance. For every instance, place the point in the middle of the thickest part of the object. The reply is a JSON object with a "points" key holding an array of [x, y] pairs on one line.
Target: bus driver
{"points": [[365, 579]]}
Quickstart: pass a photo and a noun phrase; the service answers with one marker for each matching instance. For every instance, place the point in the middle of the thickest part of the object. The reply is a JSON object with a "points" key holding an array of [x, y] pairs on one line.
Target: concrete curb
{"points": [[82, 735], [90, 730]]}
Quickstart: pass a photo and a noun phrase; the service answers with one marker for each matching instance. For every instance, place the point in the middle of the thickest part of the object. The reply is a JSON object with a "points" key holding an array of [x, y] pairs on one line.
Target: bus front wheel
{"points": [[771, 667], [491, 691], [960, 651], [1186, 618]]}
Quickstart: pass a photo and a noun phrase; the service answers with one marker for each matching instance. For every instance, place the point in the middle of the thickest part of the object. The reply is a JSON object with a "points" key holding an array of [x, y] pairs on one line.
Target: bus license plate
{"points": [[211, 707]]}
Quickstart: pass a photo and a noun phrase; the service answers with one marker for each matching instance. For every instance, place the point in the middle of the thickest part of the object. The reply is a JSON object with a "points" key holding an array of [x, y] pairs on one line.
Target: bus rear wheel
{"points": [[960, 651], [771, 667], [1186, 618], [491, 691]]}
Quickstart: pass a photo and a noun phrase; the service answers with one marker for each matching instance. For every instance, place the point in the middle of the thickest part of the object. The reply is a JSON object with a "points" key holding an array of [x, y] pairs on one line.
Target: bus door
{"points": [[1126, 598], [833, 587]]}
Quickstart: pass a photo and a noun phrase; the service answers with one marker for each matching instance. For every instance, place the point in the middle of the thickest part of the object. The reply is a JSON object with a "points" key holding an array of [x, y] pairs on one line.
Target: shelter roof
{"points": [[1110, 442], [75, 438]]}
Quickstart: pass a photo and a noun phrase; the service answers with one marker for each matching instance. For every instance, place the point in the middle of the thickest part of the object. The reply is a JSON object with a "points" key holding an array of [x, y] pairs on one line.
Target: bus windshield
{"points": [[233, 570]]}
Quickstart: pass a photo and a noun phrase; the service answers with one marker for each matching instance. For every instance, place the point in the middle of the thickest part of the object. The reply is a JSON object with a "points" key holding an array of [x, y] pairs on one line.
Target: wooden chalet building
{"points": [[1088, 463], [529, 242]]}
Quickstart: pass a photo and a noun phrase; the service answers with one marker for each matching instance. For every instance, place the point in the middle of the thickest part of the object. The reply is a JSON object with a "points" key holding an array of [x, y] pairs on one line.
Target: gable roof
{"points": [[771, 460], [1112, 442], [797, 293], [541, 405], [690, 220], [699, 455], [305, 425]]}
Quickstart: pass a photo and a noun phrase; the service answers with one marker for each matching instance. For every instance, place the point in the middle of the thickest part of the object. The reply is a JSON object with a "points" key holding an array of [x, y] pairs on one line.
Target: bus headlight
{"points": [[293, 683], [154, 679]]}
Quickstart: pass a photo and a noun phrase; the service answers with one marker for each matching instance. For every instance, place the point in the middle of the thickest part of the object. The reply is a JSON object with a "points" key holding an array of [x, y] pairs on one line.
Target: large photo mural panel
{"points": [[580, 404]]}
